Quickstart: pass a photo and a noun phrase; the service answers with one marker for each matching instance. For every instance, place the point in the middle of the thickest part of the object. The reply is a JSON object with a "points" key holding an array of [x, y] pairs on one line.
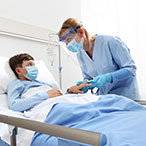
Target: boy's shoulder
{"points": [[14, 82]]}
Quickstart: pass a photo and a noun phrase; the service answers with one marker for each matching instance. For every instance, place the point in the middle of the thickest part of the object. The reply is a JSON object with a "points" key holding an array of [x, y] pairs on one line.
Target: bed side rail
{"points": [[82, 136], [142, 102]]}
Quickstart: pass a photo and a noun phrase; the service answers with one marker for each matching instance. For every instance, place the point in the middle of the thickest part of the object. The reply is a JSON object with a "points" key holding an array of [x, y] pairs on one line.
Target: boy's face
{"points": [[21, 71]]}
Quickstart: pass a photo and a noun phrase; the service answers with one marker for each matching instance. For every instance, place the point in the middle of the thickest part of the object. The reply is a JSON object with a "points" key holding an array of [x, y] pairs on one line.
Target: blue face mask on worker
{"points": [[32, 72], [73, 46]]}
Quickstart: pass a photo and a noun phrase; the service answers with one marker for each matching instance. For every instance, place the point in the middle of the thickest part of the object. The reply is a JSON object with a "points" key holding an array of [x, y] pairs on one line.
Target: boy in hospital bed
{"points": [[25, 92]]}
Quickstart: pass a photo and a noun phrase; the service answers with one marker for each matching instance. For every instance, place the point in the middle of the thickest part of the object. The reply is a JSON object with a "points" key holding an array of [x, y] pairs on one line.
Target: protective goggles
{"points": [[71, 31]]}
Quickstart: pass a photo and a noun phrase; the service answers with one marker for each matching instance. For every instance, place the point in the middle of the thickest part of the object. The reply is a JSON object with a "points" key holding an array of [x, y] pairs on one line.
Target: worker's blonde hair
{"points": [[71, 23]]}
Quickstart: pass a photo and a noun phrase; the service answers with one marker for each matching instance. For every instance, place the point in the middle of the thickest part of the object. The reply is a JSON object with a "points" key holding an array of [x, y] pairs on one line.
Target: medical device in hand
{"points": [[94, 90]]}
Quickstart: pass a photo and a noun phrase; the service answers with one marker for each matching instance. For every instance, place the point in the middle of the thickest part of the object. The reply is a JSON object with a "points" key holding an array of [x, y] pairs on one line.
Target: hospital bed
{"points": [[16, 123], [28, 120]]}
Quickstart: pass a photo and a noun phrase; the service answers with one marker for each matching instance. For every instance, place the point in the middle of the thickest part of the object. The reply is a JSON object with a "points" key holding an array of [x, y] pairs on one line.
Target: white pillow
{"points": [[7, 75], [3, 100]]}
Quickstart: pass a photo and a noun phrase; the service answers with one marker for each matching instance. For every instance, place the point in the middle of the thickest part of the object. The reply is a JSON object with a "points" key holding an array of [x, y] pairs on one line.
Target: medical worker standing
{"points": [[104, 59]]}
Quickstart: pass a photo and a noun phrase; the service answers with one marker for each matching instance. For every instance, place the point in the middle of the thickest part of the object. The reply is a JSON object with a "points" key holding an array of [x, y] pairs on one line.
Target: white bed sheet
{"points": [[38, 113]]}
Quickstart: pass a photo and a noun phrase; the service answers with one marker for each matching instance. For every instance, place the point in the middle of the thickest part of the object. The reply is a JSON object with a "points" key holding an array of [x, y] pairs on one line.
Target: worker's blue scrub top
{"points": [[110, 54]]}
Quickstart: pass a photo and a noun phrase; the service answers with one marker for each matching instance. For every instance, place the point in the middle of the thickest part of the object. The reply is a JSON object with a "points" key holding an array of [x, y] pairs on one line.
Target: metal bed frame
{"points": [[82, 136]]}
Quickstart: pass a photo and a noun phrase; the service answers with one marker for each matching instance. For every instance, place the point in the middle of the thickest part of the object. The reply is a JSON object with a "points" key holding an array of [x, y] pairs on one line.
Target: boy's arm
{"points": [[15, 102]]}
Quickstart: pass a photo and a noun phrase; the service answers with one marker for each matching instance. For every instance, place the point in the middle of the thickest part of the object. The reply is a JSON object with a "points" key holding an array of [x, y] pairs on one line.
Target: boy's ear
{"points": [[18, 70]]}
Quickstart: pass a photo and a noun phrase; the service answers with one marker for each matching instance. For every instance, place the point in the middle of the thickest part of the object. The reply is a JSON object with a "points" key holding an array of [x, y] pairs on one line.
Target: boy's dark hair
{"points": [[17, 61]]}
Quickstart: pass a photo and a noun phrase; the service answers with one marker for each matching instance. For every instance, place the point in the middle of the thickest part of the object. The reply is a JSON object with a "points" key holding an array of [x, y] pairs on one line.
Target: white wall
{"points": [[123, 18], [44, 13]]}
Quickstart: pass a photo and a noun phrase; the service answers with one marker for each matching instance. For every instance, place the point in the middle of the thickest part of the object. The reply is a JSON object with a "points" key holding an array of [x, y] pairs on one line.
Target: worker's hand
{"points": [[100, 81], [78, 88], [81, 82], [84, 89], [54, 93]]}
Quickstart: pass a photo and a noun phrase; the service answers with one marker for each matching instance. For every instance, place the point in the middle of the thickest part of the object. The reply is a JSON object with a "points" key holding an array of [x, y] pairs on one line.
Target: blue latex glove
{"points": [[100, 81], [81, 82], [84, 89]]}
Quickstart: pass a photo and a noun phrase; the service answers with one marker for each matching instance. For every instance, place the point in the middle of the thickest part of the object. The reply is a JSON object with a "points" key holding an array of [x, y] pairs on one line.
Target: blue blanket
{"points": [[120, 119]]}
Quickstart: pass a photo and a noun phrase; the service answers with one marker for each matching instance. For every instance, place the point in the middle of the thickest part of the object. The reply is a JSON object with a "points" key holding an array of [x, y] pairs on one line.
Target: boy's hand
{"points": [[77, 88], [54, 93]]}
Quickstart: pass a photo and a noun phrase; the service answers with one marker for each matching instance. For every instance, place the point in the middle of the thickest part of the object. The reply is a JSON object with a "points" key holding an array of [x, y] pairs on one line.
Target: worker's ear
{"points": [[81, 31]]}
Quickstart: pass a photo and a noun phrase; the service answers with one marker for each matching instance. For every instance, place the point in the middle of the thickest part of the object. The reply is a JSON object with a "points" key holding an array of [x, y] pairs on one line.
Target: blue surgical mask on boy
{"points": [[32, 72], [73, 46]]}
